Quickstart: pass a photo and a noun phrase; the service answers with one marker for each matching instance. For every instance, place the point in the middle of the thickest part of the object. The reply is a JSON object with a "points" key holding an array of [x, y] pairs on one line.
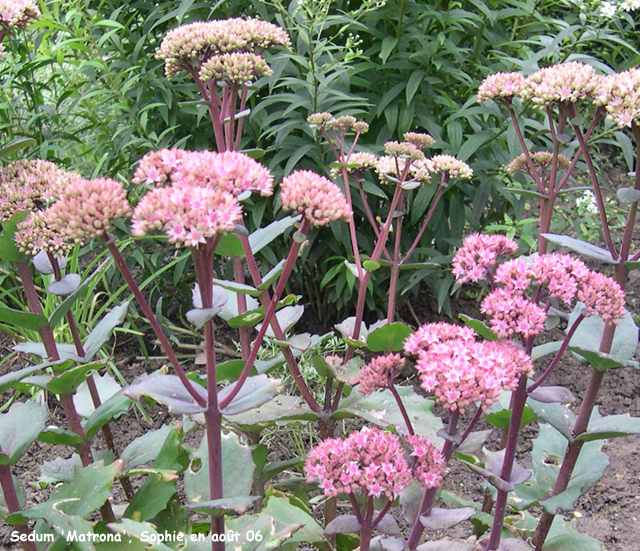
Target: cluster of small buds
{"points": [[542, 160], [561, 274], [358, 163], [431, 333], [192, 45], [379, 373], [18, 14], [602, 295], [459, 372], [319, 119], [35, 234], [620, 96], [419, 139], [29, 185], [562, 83], [238, 69], [315, 197], [501, 85], [370, 460], [479, 254], [391, 170], [86, 208], [404, 149], [231, 171], [512, 313], [450, 167], [430, 464], [188, 214]]}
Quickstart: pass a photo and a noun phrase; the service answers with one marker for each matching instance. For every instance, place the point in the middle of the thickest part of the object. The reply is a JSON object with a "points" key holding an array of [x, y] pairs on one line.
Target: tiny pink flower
{"points": [[319, 200], [603, 296], [18, 14], [429, 465], [511, 313], [501, 85], [479, 254], [379, 372], [562, 83]]}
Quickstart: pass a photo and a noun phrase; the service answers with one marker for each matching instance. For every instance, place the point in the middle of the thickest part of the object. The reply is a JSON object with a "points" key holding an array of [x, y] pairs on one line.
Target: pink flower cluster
{"points": [[238, 68], [379, 372], [461, 371], [602, 295], [620, 96], [319, 200], [18, 14], [370, 460], [479, 254], [86, 208], [542, 160], [230, 171], [452, 167], [565, 82], [188, 214], [512, 313], [501, 85], [429, 465], [188, 47], [35, 234], [28, 185]]}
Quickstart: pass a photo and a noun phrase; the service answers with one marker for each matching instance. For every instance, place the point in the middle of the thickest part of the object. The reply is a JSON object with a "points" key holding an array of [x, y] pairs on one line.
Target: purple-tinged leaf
{"points": [[19, 318], [344, 524], [169, 391], [474, 442], [20, 426], [388, 525], [410, 500], [573, 542], [581, 247], [287, 317], [67, 285], [513, 544], [552, 395], [382, 543], [494, 464], [198, 317], [102, 331], [254, 392], [628, 195], [43, 264], [442, 519], [219, 297], [447, 545], [444, 434], [65, 351]]}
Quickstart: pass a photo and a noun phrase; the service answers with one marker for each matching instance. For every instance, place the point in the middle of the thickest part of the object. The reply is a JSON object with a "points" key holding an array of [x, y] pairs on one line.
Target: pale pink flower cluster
{"points": [[18, 14], [452, 167], [188, 47], [419, 139], [462, 371], [319, 200], [562, 83], [479, 254], [431, 333], [358, 163], [418, 170], [501, 85], [370, 460], [561, 274], [28, 185], [430, 464], [188, 214], [379, 372], [602, 295], [512, 313], [230, 170], [235, 68], [620, 96], [86, 208], [542, 160], [35, 234]]}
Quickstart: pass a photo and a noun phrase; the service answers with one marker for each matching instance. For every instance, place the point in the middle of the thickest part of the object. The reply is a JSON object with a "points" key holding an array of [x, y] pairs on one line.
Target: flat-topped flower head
{"points": [[18, 14], [433, 333], [479, 254], [620, 96], [430, 464], [391, 169], [542, 160], [602, 295], [230, 170], [86, 208], [235, 68], [450, 166], [29, 185], [358, 163], [35, 234], [461, 372], [501, 86], [404, 149], [319, 119], [319, 200], [370, 461], [189, 215], [379, 372], [560, 274], [191, 46], [419, 139], [513, 314], [562, 83]]}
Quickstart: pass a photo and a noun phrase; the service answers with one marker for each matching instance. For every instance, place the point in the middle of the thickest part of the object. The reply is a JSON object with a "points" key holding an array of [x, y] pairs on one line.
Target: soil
{"points": [[608, 512]]}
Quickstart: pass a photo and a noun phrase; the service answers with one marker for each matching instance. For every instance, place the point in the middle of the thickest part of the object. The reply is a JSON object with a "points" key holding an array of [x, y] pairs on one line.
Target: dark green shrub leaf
{"points": [[238, 505], [8, 249], [71, 379], [610, 426], [117, 405], [16, 145], [388, 338], [55, 435], [478, 327], [25, 320], [573, 542]]}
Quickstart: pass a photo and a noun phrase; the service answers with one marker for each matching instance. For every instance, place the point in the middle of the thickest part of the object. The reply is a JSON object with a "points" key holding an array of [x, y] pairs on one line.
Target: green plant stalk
{"points": [[429, 496], [11, 499], [595, 381], [284, 276], [142, 301]]}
